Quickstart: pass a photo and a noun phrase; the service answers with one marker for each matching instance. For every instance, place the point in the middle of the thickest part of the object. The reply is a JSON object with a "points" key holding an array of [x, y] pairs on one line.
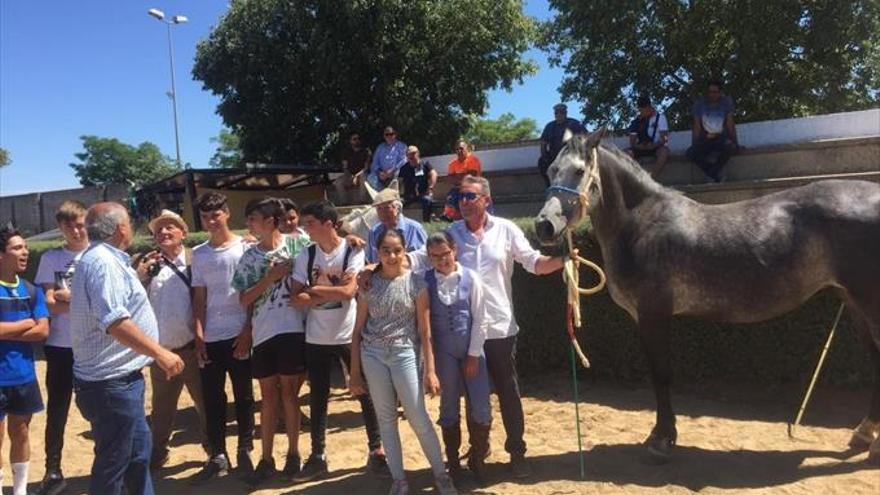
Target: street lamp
{"points": [[178, 19]]}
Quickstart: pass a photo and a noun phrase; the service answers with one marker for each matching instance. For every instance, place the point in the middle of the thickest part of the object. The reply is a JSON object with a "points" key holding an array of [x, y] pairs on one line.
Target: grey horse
{"points": [[667, 255]]}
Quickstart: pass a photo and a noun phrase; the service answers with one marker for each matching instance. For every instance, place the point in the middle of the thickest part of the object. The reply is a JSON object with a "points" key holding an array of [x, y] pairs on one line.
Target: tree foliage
{"points": [[295, 77], [4, 158], [779, 59], [228, 154], [504, 129], [110, 161]]}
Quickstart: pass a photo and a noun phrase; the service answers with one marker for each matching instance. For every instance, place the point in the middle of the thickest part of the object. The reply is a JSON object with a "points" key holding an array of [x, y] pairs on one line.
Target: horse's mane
{"points": [[632, 169]]}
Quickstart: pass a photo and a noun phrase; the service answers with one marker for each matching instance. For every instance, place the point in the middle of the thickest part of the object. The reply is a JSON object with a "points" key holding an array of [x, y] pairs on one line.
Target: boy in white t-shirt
{"points": [[223, 342], [263, 281], [325, 283], [54, 275]]}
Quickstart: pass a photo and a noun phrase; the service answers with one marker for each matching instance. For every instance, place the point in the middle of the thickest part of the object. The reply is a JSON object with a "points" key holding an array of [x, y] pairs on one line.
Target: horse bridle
{"points": [[581, 196]]}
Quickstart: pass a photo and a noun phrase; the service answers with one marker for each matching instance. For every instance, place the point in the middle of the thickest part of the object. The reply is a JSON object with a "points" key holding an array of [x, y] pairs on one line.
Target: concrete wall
{"points": [[813, 129], [34, 213]]}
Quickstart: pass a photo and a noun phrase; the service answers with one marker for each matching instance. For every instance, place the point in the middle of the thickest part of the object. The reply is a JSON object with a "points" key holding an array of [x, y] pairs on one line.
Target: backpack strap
{"points": [[32, 294], [313, 250], [345, 257], [656, 123]]}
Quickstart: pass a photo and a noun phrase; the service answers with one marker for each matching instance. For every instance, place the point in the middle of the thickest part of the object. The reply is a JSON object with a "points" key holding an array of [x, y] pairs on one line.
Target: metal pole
{"points": [[173, 93]]}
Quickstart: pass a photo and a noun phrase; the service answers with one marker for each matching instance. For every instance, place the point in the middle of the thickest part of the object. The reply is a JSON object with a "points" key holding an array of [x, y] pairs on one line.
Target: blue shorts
{"points": [[20, 400]]}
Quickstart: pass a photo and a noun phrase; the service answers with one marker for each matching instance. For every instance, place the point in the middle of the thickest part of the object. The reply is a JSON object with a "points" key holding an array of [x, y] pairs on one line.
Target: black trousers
{"points": [[59, 388], [319, 361], [501, 362], [221, 362]]}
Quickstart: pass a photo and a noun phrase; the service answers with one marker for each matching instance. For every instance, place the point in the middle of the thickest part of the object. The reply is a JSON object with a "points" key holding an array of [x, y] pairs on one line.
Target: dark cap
{"points": [[560, 106]]}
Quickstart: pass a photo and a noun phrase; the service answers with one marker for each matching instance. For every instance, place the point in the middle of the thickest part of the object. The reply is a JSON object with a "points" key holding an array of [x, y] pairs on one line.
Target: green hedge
{"points": [[782, 350]]}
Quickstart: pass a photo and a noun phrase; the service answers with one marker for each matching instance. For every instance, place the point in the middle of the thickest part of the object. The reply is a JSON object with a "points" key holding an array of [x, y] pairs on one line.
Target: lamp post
{"points": [[178, 19]]}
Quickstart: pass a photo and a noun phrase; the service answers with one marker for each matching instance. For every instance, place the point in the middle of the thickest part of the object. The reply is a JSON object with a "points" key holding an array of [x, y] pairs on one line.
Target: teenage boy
{"points": [[278, 334], [220, 325], [54, 275], [167, 276], [325, 283], [24, 319]]}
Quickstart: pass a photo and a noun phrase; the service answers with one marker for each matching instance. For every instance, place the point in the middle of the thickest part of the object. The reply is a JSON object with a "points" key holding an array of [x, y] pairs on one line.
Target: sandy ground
{"points": [[731, 440]]}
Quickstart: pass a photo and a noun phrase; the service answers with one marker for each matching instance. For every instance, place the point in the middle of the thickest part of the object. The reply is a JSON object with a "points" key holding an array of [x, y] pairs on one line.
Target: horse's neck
{"points": [[624, 188]]}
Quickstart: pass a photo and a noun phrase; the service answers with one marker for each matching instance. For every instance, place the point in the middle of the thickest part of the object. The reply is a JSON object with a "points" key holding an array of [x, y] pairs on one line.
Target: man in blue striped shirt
{"points": [[23, 319], [114, 334]]}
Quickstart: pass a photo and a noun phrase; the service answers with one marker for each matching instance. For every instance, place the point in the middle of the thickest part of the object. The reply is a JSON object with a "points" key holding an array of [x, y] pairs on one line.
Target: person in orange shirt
{"points": [[465, 163]]}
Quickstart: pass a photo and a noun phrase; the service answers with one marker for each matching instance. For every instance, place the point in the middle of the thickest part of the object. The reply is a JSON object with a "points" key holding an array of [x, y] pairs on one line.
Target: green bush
{"points": [[784, 349]]}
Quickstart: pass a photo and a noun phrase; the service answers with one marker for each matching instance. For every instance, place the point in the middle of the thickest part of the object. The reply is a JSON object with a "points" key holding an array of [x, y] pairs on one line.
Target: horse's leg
{"points": [[867, 434], [654, 333], [864, 308]]}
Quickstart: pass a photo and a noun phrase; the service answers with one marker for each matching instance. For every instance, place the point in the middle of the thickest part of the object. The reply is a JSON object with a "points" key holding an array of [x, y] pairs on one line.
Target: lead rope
{"points": [[571, 276]]}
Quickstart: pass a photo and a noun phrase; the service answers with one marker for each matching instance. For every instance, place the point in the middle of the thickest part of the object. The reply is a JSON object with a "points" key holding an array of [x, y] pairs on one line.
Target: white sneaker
{"points": [[399, 487], [445, 485]]}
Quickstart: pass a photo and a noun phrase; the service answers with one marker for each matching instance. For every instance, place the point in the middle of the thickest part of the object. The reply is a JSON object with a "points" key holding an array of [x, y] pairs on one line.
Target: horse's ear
{"points": [[567, 135], [595, 137]]}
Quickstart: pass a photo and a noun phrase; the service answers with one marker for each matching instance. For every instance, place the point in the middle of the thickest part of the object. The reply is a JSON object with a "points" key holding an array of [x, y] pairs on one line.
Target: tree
{"points": [[779, 59], [109, 161], [4, 158], [504, 129], [228, 154], [295, 77]]}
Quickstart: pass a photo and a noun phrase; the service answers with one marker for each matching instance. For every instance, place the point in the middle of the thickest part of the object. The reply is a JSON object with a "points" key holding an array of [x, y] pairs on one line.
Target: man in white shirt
{"points": [[489, 245], [222, 342], [324, 282], [167, 276]]}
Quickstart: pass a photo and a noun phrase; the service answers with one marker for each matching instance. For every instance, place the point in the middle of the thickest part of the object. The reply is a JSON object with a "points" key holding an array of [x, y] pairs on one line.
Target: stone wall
{"points": [[34, 213]]}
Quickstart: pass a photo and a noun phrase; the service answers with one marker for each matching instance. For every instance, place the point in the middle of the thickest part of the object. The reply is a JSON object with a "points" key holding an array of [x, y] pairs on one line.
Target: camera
{"points": [[155, 268]]}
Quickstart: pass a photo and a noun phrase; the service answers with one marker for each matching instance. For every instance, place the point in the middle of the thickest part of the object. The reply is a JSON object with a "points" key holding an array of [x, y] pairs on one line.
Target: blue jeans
{"points": [[450, 371], [393, 374], [115, 410]]}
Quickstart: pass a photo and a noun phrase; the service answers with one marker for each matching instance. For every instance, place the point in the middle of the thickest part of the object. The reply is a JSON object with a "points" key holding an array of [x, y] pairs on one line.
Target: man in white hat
{"points": [[388, 208], [167, 276]]}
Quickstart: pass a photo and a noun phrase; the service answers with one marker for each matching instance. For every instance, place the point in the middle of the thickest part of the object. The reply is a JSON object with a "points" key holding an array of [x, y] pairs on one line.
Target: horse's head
{"points": [[575, 186]]}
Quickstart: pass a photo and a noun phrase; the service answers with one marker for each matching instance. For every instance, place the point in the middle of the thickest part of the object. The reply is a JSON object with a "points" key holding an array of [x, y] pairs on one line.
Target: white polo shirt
{"points": [[492, 257]]}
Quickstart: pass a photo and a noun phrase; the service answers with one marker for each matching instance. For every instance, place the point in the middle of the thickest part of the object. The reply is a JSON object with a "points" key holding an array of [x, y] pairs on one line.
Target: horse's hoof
{"points": [[865, 435], [659, 448], [874, 452]]}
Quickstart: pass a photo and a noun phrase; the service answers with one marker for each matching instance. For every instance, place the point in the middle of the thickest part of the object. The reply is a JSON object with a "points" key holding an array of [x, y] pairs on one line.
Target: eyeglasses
{"points": [[470, 196], [460, 149], [440, 256]]}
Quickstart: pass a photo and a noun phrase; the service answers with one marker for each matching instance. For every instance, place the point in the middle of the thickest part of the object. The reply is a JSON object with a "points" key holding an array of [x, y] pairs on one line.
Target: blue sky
{"points": [[100, 67]]}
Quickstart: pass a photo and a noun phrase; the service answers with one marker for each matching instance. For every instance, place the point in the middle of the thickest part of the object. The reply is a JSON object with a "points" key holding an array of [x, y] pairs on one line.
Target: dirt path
{"points": [[731, 440]]}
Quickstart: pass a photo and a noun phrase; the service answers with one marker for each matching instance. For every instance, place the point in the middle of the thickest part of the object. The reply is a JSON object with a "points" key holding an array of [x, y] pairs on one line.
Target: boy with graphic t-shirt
{"points": [[325, 283], [222, 341], [23, 319], [263, 281], [54, 275]]}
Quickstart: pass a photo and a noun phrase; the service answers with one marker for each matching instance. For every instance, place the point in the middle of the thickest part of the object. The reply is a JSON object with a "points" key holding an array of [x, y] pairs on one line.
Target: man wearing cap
{"points": [[554, 133], [388, 206], [166, 275], [419, 179], [648, 134]]}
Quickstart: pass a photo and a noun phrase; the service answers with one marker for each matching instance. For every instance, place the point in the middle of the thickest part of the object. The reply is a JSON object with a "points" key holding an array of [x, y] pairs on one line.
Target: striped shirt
{"points": [[105, 290]]}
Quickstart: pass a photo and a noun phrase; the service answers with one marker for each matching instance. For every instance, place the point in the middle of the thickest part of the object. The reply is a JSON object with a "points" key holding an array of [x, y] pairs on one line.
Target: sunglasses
{"points": [[470, 196], [390, 134]]}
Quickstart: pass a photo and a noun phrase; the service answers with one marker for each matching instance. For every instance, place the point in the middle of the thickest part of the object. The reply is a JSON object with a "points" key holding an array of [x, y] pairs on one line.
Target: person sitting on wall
{"points": [[419, 179], [387, 160], [648, 135], [714, 131], [465, 163], [554, 133]]}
